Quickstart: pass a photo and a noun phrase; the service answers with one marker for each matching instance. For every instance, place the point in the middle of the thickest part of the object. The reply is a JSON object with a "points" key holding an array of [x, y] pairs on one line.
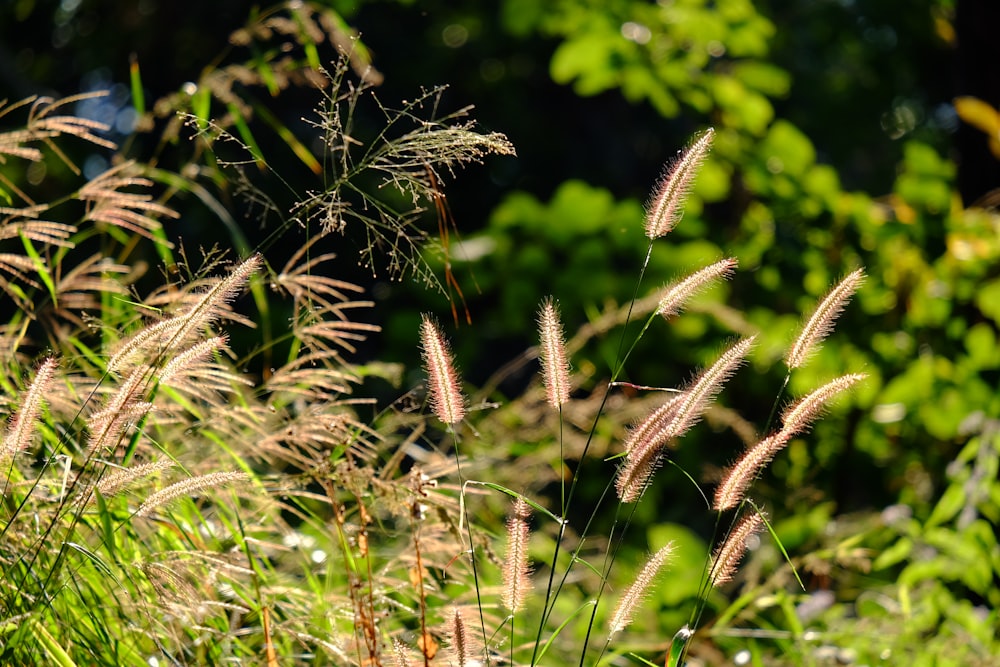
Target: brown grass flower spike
{"points": [[820, 323], [639, 588], [459, 639], [667, 206], [555, 367], [447, 401], [728, 556], [516, 571]]}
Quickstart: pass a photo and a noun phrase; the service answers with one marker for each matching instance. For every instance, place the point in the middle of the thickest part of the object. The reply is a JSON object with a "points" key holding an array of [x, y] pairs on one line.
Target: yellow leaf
{"points": [[978, 114]]}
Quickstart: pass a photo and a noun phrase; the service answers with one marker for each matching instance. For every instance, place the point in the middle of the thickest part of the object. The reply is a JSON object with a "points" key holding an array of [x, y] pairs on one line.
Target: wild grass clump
{"points": [[175, 494]]}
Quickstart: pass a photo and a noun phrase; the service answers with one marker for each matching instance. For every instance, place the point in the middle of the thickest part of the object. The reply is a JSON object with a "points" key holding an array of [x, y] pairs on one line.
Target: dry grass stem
{"points": [[676, 295], [516, 571], [637, 592], [820, 323], [728, 556], [667, 207], [189, 487], [555, 366], [447, 401]]}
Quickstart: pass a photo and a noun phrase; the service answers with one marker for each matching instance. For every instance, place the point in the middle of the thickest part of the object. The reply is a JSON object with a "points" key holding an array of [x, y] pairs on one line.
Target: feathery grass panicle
{"points": [[796, 418], [800, 415], [195, 354], [108, 424], [639, 589], [667, 206], [113, 483], [188, 487], [400, 654], [147, 343], [652, 425], [820, 323], [552, 350], [516, 570], [211, 305], [685, 411], [677, 294], [727, 557], [131, 211], [22, 424], [447, 401], [732, 490], [459, 639]]}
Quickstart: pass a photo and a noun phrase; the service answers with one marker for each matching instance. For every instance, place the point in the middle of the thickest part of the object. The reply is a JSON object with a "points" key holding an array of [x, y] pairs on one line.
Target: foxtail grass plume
{"points": [[447, 401], [677, 294], [108, 425], [800, 415], [117, 480], [728, 556], [188, 487], [459, 639], [637, 592], [741, 475], [552, 350], [516, 571], [820, 323], [400, 654], [212, 304], [22, 424], [667, 206], [796, 418], [679, 414]]}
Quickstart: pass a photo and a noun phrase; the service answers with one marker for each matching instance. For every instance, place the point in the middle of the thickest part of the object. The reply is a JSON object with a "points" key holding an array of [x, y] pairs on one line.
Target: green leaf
{"points": [[988, 299], [897, 553], [40, 267], [56, 654], [138, 97]]}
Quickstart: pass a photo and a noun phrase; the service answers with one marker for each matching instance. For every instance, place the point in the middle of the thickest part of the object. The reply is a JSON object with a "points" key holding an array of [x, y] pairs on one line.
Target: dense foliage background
{"points": [[839, 144]]}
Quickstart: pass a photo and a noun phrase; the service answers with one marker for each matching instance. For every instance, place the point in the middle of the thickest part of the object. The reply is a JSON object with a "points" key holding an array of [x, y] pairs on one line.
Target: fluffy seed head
{"points": [[189, 487], [728, 556], [447, 401], [676, 295], [639, 588], [800, 415], [552, 350], [678, 415], [820, 323], [667, 206], [516, 571], [22, 424], [741, 475]]}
